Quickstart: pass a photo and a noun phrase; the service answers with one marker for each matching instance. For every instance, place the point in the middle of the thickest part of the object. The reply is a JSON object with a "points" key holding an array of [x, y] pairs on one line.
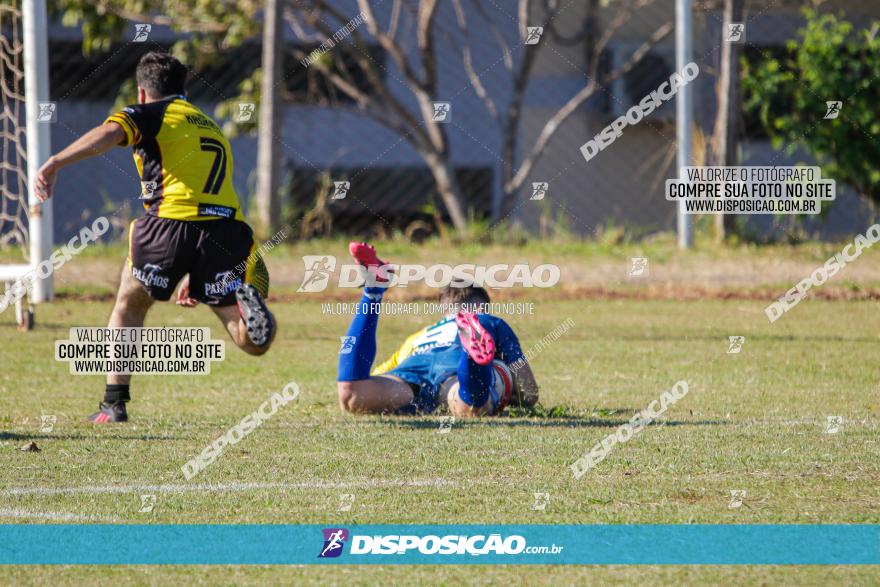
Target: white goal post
{"points": [[36, 89]]}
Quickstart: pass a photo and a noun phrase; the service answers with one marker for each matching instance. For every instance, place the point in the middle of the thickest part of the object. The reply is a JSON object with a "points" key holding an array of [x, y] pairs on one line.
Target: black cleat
{"points": [[257, 317], [114, 412]]}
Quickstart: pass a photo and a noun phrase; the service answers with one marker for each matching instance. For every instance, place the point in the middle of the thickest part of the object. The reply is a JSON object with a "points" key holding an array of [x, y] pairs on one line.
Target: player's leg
{"points": [[256, 322], [471, 394], [358, 392], [232, 319], [129, 311], [459, 408], [381, 394], [230, 276], [147, 276]]}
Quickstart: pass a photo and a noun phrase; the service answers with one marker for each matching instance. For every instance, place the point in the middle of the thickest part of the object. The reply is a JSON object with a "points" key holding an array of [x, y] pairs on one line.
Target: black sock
{"points": [[116, 392]]}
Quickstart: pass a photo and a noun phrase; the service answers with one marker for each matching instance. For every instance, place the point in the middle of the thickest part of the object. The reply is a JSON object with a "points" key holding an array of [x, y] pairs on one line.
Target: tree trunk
{"points": [[447, 188], [724, 136], [268, 153], [508, 150]]}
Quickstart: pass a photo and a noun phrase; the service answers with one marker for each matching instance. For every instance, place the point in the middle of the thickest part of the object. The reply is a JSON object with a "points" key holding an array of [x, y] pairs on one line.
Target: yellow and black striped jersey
{"points": [[184, 161]]}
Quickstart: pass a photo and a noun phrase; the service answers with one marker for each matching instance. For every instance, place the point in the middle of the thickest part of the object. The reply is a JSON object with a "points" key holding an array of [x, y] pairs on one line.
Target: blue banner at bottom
{"points": [[79, 544]]}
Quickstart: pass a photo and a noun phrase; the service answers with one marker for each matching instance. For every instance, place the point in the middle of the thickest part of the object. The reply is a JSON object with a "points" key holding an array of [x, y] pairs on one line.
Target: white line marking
{"points": [[219, 487], [56, 516]]}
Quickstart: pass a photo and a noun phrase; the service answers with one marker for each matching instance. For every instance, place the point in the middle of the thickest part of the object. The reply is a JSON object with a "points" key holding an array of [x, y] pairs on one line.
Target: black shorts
{"points": [[219, 256]]}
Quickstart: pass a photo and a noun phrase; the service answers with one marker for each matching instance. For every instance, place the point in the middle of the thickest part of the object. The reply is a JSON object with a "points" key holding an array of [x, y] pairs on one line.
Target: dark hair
{"points": [[469, 295], [161, 74]]}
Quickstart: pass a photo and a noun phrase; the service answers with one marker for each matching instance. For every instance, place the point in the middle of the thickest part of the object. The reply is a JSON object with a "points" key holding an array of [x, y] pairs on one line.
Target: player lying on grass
{"points": [[462, 362], [193, 228]]}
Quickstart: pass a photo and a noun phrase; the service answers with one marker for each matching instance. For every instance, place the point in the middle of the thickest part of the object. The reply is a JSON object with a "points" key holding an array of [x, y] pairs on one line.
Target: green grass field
{"points": [[753, 421]]}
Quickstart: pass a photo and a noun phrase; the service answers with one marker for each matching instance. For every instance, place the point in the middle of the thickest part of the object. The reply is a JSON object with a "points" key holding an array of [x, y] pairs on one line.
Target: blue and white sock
{"points": [[475, 381], [358, 350]]}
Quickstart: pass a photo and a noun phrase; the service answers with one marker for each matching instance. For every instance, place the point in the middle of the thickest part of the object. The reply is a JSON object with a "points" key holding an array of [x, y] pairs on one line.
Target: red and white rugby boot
{"points": [[365, 255], [114, 412], [476, 340]]}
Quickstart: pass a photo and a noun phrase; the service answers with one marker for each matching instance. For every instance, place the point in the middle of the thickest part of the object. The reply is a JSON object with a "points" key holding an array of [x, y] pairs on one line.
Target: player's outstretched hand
{"points": [[183, 298], [46, 177]]}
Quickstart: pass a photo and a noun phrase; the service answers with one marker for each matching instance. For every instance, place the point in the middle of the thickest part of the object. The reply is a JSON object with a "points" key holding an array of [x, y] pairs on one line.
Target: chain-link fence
{"points": [[393, 116]]}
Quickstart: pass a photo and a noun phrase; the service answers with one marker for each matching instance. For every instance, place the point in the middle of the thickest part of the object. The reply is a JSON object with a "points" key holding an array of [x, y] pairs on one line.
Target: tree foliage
{"points": [[829, 61], [407, 38]]}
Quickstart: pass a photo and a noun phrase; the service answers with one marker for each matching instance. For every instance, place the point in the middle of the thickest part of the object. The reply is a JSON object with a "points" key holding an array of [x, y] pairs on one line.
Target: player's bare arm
{"points": [[96, 142]]}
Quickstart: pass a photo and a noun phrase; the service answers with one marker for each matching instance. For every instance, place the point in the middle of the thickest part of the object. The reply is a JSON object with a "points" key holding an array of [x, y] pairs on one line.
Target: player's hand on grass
{"points": [[183, 298], [46, 178]]}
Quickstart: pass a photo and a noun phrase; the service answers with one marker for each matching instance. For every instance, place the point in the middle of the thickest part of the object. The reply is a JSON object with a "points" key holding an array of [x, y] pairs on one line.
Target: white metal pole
{"points": [[684, 110], [36, 90]]}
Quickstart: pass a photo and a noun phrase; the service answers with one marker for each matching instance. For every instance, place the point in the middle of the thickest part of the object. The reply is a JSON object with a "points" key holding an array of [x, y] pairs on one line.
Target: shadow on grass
{"points": [[39, 436], [420, 423], [45, 326], [691, 336], [539, 416]]}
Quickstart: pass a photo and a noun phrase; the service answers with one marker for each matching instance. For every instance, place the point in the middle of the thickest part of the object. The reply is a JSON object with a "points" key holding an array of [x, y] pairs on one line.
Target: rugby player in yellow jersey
{"points": [[193, 231]]}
